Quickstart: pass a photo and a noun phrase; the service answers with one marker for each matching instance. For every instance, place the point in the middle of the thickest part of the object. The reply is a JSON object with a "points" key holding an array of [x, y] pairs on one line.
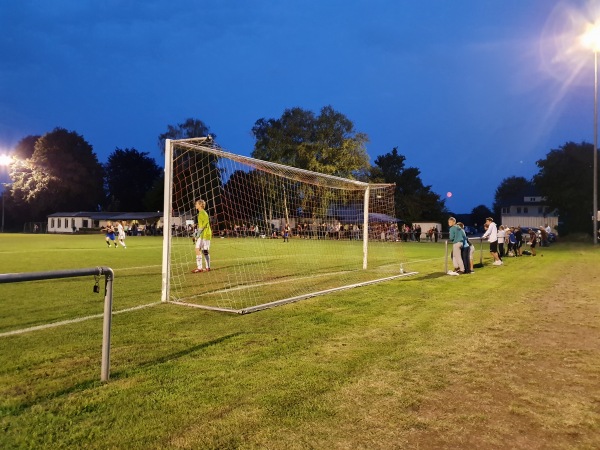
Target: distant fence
{"points": [[108, 299], [35, 227]]}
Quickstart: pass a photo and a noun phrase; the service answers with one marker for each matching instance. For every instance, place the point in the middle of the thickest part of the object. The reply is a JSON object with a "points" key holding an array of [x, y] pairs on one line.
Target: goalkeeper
{"points": [[203, 236]]}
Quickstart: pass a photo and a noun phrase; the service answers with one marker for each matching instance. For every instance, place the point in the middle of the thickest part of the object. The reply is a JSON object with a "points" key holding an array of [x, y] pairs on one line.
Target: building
{"points": [[528, 210], [72, 222]]}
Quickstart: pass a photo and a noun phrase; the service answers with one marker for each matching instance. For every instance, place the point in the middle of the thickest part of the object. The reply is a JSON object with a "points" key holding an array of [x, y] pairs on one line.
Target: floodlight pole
{"points": [[595, 185], [2, 209]]}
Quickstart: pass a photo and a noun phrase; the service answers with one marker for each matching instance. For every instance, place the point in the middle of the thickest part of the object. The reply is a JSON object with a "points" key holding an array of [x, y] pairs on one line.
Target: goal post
{"points": [[279, 234]]}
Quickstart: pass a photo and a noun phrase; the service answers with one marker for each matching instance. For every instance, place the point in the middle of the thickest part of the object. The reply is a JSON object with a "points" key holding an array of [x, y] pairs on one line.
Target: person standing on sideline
{"points": [[203, 237], [532, 241], [286, 233], [121, 233], [492, 236], [544, 237], [511, 240], [519, 239], [456, 239], [501, 239], [466, 249]]}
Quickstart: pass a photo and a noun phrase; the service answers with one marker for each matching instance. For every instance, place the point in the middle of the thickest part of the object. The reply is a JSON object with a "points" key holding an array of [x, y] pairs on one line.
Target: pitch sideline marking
{"points": [[70, 321]]}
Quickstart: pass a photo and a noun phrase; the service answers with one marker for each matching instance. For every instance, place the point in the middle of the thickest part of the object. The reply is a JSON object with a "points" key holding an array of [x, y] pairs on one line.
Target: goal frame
{"points": [[201, 144]]}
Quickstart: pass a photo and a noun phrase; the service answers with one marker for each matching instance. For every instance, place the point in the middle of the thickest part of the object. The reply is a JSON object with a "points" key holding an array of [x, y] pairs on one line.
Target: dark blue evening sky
{"points": [[470, 91]]}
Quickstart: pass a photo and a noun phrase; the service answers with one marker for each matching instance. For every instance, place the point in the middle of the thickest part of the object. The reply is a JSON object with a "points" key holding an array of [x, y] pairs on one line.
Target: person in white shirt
{"points": [[501, 240], [121, 234], [492, 236]]}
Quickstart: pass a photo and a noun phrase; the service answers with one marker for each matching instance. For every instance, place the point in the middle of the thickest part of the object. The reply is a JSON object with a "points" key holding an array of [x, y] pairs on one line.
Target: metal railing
{"points": [[72, 273], [472, 241]]}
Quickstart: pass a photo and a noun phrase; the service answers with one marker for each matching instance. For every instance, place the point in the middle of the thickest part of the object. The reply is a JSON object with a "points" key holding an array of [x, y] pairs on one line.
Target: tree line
{"points": [[565, 180], [60, 172]]}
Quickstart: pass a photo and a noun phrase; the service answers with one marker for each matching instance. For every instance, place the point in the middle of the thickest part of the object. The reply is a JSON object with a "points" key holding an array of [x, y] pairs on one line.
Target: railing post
{"points": [[446, 258], [108, 299], [106, 326]]}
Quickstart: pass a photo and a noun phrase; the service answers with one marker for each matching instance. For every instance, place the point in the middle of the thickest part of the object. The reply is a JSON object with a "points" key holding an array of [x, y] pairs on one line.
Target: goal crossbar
{"points": [[277, 169]]}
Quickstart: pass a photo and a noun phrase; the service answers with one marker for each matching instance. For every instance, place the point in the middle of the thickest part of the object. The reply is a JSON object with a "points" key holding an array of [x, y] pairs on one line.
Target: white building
{"points": [[528, 210], [72, 222]]}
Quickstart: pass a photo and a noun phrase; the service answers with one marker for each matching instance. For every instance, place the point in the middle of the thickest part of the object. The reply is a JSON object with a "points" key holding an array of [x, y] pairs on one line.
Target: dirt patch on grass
{"points": [[534, 384]]}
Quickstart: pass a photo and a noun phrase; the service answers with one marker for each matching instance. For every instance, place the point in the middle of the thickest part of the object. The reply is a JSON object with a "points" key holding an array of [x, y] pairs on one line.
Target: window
{"points": [[505, 210], [52, 223], [59, 223], [518, 210], [525, 210], [85, 223]]}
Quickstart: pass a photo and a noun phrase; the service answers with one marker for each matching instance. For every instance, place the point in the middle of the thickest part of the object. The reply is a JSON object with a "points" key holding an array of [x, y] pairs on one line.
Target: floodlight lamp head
{"points": [[591, 38], [5, 160]]}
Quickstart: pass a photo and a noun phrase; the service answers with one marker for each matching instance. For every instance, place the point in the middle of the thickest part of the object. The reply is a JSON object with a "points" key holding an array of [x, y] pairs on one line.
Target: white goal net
{"points": [[279, 234]]}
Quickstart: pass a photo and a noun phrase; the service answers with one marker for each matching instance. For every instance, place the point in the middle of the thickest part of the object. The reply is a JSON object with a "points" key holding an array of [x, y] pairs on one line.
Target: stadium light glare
{"points": [[5, 160], [591, 40]]}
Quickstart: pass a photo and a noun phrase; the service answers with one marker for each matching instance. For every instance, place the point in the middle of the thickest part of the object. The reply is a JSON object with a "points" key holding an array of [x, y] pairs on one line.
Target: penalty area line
{"points": [[76, 320]]}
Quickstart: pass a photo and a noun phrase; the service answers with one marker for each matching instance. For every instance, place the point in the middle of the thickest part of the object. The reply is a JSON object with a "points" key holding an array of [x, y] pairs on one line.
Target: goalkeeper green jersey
{"points": [[204, 230]]}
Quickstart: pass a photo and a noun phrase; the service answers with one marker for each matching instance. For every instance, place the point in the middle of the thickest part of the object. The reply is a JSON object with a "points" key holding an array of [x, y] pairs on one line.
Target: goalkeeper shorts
{"points": [[203, 244]]}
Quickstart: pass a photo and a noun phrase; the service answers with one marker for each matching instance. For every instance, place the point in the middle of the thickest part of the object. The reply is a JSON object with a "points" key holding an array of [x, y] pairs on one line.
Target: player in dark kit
{"points": [[110, 234]]}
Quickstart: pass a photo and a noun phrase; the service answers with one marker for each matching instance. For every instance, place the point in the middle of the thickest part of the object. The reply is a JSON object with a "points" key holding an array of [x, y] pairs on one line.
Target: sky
{"points": [[470, 92]]}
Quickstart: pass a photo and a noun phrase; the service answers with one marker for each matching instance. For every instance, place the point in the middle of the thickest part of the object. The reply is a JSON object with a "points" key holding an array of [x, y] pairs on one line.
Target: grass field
{"points": [[251, 271], [506, 358]]}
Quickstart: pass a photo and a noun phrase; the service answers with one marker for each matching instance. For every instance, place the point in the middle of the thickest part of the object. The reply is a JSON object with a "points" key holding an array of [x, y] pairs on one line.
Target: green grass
{"points": [[249, 272], [507, 357]]}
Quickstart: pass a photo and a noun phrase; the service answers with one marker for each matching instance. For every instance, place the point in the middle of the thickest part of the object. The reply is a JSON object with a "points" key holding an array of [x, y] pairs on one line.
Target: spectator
{"points": [[501, 238], [519, 239], [492, 235], [456, 239], [532, 240], [467, 249], [544, 235], [511, 241]]}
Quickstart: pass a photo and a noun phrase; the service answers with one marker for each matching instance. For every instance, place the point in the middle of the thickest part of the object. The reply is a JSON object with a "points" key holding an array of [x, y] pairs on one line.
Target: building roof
{"points": [[520, 199], [106, 215]]}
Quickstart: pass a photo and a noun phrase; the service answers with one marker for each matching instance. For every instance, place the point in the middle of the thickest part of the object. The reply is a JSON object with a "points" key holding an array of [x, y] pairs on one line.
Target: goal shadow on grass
{"points": [[429, 276], [173, 356], [19, 408]]}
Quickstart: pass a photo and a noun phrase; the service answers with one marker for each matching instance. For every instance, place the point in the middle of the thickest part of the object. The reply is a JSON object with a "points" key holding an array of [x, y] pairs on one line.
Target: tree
{"points": [[190, 128], [414, 201], [26, 146], [63, 173], [480, 213], [327, 143], [565, 178], [154, 198], [508, 189], [195, 169], [130, 175]]}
